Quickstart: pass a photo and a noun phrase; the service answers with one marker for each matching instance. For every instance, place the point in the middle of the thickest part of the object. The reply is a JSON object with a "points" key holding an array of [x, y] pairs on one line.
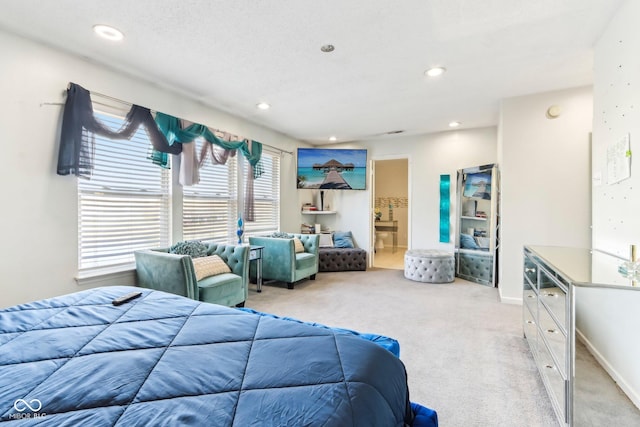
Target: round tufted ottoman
{"points": [[429, 265]]}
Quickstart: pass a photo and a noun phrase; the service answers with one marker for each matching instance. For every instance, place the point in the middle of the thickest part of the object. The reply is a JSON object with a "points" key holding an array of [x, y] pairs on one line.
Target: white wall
{"points": [[545, 178], [609, 319], [38, 223], [429, 156]]}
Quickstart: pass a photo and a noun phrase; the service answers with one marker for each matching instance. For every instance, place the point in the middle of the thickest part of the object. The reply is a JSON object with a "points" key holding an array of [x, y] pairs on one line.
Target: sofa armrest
{"points": [[162, 271]]}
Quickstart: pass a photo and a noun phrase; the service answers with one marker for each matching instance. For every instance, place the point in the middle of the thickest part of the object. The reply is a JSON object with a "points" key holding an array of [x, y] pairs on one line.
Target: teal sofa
{"points": [[160, 270], [280, 261]]}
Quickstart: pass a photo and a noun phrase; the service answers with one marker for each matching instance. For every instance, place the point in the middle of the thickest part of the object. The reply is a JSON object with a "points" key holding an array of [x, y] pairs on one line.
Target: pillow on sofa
{"points": [[467, 242], [297, 245], [343, 239], [193, 247], [280, 235], [326, 241], [209, 266]]}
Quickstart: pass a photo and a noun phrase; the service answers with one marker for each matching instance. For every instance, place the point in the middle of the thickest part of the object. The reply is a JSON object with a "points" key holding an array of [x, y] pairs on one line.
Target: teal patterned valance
{"points": [[172, 129]]}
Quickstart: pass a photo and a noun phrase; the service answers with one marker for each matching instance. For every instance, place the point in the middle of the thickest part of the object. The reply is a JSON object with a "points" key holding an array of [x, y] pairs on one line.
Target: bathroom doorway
{"points": [[391, 205]]}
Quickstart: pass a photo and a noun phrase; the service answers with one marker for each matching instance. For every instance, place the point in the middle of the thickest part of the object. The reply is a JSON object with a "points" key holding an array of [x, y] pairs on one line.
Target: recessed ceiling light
{"points": [[107, 32], [333, 138], [435, 71], [263, 106], [454, 124], [327, 48]]}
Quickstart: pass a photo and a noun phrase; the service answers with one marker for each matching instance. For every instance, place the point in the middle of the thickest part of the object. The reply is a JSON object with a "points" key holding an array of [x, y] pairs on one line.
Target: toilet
{"points": [[380, 236]]}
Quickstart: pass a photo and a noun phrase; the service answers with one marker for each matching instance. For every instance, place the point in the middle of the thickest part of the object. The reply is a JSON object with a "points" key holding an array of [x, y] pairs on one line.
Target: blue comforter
{"points": [[161, 359]]}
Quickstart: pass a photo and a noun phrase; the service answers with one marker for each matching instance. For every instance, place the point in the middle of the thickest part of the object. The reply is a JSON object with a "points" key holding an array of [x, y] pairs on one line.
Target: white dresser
{"points": [[581, 392]]}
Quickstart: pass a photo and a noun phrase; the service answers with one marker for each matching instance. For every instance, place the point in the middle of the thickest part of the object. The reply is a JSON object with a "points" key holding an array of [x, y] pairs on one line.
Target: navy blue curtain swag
{"points": [[79, 127]]}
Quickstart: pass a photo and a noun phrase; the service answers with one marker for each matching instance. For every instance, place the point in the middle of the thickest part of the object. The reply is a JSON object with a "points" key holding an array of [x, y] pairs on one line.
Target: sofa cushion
{"points": [[343, 239], [326, 241], [297, 245], [305, 260], [193, 247], [209, 266], [218, 287], [467, 242]]}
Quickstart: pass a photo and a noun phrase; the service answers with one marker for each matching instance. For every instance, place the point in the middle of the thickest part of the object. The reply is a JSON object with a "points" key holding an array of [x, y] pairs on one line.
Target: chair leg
{"points": [[289, 285], [240, 304], [312, 277]]}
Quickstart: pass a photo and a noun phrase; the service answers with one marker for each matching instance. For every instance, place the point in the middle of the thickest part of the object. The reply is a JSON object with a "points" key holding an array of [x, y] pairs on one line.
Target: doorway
{"points": [[390, 201]]}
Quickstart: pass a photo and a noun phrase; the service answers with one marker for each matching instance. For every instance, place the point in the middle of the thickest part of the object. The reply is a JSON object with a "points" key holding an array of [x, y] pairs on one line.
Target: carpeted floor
{"points": [[464, 350]]}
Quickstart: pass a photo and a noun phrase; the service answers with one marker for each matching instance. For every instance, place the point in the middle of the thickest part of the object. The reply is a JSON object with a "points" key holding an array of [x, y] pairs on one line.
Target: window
{"points": [[266, 190], [126, 204], [210, 208]]}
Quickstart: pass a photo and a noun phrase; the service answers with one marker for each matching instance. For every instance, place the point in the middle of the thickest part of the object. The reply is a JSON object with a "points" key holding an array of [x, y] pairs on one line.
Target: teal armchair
{"points": [[160, 270], [281, 262]]}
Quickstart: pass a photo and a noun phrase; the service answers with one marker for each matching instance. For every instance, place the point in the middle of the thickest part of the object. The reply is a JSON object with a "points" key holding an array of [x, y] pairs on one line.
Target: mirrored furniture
{"points": [[477, 224], [582, 393]]}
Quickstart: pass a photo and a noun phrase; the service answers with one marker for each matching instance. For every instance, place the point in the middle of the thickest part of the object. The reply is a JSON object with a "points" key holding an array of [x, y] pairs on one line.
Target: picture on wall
{"points": [[331, 168], [478, 185]]}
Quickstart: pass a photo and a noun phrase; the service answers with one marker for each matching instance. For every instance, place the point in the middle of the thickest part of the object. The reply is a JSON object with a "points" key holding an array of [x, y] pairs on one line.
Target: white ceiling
{"points": [[232, 54]]}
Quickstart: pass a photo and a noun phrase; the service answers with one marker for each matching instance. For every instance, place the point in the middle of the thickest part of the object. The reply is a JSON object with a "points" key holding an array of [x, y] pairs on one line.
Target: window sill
{"points": [[108, 276]]}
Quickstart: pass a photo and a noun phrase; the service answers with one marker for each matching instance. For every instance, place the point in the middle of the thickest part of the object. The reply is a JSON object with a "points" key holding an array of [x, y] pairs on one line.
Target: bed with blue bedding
{"points": [[165, 360]]}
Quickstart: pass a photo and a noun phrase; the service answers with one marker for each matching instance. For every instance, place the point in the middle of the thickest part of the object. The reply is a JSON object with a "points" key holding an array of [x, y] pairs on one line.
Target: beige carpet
{"points": [[464, 350]]}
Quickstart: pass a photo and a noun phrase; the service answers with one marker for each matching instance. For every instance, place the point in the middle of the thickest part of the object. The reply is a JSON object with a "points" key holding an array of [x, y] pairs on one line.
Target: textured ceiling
{"points": [[232, 54]]}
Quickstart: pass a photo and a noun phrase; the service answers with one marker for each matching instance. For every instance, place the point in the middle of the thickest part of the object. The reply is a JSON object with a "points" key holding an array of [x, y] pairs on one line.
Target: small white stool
{"points": [[429, 266]]}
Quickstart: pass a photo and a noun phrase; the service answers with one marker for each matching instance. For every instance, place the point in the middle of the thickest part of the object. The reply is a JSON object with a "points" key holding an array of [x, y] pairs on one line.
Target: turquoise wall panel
{"points": [[445, 206]]}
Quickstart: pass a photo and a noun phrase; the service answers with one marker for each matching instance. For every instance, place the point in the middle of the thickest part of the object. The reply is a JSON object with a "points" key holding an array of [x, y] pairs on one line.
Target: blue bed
{"points": [[162, 359]]}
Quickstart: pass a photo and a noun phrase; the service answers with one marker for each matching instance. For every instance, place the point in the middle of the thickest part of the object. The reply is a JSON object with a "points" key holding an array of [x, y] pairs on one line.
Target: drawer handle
{"points": [[549, 366], [531, 296], [552, 331], [550, 294], [530, 322], [529, 270]]}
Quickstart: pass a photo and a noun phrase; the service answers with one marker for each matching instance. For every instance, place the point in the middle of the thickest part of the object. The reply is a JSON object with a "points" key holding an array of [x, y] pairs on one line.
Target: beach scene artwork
{"points": [[478, 185], [331, 168]]}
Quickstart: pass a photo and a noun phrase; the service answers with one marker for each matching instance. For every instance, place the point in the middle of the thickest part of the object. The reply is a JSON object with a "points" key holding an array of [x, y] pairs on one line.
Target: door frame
{"points": [[372, 204]]}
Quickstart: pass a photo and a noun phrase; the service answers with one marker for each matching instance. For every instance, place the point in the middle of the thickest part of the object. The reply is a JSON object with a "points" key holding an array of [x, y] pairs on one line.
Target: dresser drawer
{"points": [[554, 298], [553, 379], [530, 329], [529, 296], [555, 339], [530, 272]]}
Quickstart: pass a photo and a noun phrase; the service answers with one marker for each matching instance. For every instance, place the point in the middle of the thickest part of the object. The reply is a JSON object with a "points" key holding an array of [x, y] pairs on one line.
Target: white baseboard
{"points": [[626, 388], [509, 300]]}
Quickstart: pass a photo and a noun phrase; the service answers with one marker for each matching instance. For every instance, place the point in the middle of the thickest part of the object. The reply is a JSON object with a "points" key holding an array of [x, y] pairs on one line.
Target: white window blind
{"points": [[266, 190], [210, 208], [125, 205]]}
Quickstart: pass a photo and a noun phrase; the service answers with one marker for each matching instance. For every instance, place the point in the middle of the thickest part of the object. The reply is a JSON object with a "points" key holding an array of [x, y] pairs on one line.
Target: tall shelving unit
{"points": [[477, 224]]}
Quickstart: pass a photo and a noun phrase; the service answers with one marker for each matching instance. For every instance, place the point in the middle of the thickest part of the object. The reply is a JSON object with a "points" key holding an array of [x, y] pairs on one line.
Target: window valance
{"points": [[172, 129], [79, 125]]}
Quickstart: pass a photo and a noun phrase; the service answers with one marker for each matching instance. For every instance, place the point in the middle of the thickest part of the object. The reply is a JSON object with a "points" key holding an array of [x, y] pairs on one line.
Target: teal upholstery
{"points": [[281, 262], [160, 270]]}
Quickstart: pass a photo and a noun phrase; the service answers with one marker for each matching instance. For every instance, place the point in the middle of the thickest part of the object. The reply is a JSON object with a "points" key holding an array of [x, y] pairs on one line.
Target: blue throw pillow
{"points": [[468, 242], [343, 239]]}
